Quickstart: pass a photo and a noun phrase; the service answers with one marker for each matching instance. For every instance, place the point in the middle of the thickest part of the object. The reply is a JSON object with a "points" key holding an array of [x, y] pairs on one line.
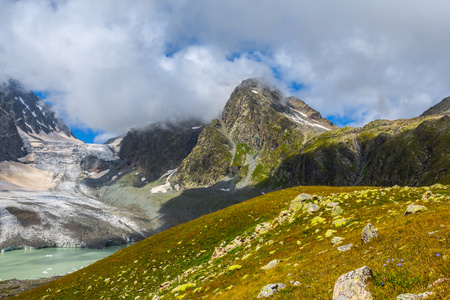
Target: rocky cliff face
{"points": [[158, 148], [442, 108], [11, 145], [259, 129]]}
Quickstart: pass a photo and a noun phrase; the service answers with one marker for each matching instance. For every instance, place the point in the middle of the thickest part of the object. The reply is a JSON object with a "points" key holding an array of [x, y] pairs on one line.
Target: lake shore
{"points": [[12, 287]]}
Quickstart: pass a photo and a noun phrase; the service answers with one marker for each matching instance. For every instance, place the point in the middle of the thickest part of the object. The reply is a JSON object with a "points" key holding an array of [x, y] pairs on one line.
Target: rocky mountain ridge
{"points": [[30, 113], [258, 129]]}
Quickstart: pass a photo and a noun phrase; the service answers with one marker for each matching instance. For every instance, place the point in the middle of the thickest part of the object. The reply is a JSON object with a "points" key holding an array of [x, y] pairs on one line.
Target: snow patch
{"points": [[255, 92], [99, 175], [164, 188], [168, 173], [196, 127], [225, 190], [297, 118]]}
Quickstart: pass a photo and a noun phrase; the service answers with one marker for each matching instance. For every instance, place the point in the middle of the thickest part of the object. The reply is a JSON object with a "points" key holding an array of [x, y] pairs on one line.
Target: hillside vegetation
{"points": [[221, 255]]}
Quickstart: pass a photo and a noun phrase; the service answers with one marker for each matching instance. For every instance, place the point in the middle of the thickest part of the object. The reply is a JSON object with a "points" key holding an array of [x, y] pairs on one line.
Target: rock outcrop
{"points": [[352, 285], [270, 289], [414, 208], [11, 144], [368, 233], [441, 108], [158, 148]]}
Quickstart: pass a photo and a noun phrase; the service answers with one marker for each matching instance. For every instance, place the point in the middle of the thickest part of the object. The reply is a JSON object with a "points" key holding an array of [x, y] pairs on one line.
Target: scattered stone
{"points": [[337, 240], [332, 204], [440, 280], [221, 251], [164, 285], [340, 222], [183, 287], [218, 252], [352, 285], [310, 207], [330, 232], [414, 296], [412, 209], [234, 267], [285, 215], [263, 228], [368, 233], [337, 211], [303, 197], [271, 265], [270, 289], [317, 220], [345, 247], [426, 195], [298, 202], [296, 283]]}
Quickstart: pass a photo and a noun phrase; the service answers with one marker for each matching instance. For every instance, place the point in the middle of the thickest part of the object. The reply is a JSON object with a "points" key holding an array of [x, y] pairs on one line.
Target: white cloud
{"points": [[119, 64]]}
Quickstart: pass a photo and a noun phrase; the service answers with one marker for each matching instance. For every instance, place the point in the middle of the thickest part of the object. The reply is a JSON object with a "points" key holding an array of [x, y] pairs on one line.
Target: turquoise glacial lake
{"points": [[47, 262]]}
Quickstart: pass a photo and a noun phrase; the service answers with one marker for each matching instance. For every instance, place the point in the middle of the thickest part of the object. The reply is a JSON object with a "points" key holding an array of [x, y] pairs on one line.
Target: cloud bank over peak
{"points": [[112, 65]]}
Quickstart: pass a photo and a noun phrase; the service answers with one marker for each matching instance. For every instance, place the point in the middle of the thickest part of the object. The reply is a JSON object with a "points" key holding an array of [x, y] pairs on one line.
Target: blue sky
{"points": [[112, 66], [81, 132]]}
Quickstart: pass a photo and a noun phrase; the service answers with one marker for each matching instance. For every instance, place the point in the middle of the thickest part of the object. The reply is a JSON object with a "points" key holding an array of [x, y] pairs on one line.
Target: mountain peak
{"points": [[442, 108], [251, 99], [29, 112]]}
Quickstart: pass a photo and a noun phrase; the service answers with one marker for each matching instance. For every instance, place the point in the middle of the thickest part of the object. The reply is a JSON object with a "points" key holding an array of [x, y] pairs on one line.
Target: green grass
{"points": [[421, 240], [241, 154]]}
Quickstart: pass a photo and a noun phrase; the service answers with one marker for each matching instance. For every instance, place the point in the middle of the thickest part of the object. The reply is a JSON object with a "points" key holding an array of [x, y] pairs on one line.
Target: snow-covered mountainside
{"points": [[42, 202]]}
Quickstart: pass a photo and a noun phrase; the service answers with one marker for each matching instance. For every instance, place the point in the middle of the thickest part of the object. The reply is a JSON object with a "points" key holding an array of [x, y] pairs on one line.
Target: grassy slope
{"points": [[308, 256]]}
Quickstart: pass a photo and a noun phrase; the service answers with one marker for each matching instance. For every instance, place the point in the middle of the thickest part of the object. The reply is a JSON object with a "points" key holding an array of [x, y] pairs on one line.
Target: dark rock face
{"points": [[11, 144], [441, 108], [28, 111], [209, 161], [21, 108], [157, 148]]}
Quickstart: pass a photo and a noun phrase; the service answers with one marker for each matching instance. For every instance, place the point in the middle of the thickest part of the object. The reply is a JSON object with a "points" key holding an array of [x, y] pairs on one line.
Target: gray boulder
{"points": [[337, 211], [352, 285], [413, 208], [271, 265], [310, 207], [368, 233], [345, 247], [270, 289], [337, 240], [298, 202], [414, 296]]}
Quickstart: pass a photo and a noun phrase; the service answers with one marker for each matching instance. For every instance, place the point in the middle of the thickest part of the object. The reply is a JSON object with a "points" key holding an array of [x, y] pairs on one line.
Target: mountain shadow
{"points": [[194, 203]]}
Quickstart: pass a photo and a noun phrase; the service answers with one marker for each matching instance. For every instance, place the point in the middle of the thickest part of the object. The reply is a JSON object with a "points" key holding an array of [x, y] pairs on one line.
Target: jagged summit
{"points": [[258, 129], [442, 108], [29, 112]]}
